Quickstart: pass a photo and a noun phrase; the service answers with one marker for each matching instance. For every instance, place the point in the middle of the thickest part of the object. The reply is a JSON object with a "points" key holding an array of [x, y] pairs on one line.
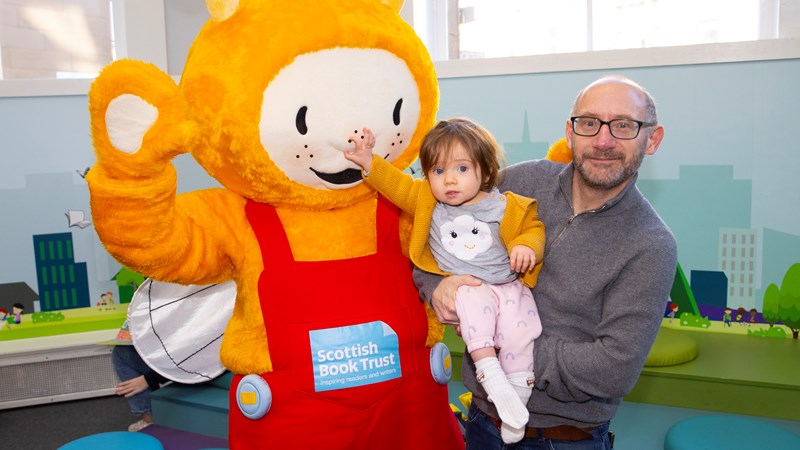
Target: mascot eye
{"points": [[300, 120], [396, 113], [475, 230], [453, 234]]}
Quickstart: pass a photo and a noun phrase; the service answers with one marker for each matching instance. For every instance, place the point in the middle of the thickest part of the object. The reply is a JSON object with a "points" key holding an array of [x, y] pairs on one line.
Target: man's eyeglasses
{"points": [[619, 128]]}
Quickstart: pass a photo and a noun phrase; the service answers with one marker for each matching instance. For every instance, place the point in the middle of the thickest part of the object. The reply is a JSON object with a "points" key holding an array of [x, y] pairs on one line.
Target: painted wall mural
{"points": [[725, 180]]}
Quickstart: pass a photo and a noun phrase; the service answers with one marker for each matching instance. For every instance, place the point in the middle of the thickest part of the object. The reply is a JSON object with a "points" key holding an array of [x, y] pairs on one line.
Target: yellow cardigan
{"points": [[520, 224]]}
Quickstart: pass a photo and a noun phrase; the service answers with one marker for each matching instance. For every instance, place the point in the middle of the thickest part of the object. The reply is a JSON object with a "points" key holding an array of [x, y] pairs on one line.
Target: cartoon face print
{"points": [[321, 98], [466, 237]]}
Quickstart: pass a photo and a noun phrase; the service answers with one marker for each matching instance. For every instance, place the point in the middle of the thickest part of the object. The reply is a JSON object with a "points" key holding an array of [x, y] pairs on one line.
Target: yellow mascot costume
{"points": [[329, 342]]}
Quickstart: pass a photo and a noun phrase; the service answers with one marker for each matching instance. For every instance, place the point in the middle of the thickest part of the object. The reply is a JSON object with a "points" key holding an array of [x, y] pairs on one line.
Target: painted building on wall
{"points": [[63, 283], [709, 287], [737, 258], [21, 293]]}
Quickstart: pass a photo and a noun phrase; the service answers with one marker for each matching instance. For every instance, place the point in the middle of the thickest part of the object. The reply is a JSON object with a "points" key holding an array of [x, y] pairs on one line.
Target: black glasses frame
{"points": [[640, 123]]}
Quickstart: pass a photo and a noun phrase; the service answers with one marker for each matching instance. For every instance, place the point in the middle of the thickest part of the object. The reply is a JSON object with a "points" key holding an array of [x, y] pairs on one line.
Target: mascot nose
{"points": [[349, 144]]}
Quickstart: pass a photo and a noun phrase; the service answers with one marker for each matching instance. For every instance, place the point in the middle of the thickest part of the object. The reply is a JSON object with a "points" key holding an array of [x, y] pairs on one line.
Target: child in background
{"points": [[137, 380], [464, 225]]}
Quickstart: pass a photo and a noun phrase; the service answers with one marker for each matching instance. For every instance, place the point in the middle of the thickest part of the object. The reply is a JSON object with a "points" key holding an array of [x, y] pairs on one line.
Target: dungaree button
{"points": [[441, 364], [253, 396]]}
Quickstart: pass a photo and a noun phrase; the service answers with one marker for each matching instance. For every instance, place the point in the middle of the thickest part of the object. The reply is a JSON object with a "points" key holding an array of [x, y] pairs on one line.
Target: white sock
{"points": [[510, 434], [522, 382], [491, 376]]}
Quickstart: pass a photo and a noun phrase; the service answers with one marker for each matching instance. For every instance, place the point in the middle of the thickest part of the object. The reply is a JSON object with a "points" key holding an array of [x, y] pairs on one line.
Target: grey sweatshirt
{"points": [[601, 294]]}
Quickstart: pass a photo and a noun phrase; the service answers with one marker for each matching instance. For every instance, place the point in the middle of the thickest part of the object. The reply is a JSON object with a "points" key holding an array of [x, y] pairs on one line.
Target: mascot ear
{"points": [[222, 9], [560, 152], [396, 5]]}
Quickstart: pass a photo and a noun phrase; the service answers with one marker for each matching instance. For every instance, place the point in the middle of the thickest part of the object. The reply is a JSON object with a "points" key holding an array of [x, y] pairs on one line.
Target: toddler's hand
{"points": [[362, 151], [522, 258]]}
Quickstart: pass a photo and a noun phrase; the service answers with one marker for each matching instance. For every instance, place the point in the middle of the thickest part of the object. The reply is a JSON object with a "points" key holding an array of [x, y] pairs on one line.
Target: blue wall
{"points": [[730, 158]]}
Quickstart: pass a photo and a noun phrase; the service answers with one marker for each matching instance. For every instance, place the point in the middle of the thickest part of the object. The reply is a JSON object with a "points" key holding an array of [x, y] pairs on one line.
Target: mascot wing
{"points": [[178, 329]]}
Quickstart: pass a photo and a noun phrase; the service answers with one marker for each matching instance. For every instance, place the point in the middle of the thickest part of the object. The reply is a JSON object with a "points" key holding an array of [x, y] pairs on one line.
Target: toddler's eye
{"points": [[438, 171], [463, 169]]}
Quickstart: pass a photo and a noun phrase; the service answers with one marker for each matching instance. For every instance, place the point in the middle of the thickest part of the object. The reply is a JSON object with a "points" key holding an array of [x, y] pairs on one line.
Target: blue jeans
{"points": [[482, 434], [128, 365]]}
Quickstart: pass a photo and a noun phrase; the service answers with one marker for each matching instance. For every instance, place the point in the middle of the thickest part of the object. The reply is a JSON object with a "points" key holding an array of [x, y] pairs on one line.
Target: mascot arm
{"points": [[139, 124]]}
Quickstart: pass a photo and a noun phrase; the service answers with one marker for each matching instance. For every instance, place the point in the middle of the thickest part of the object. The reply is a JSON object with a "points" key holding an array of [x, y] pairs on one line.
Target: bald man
{"points": [[607, 271]]}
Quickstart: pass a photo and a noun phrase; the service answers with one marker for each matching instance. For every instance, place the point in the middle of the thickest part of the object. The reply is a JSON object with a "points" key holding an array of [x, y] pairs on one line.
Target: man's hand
{"points": [[443, 299], [132, 387]]}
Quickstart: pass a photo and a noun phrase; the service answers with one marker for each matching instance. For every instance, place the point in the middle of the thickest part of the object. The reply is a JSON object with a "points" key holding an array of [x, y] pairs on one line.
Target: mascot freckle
{"points": [[329, 343]]}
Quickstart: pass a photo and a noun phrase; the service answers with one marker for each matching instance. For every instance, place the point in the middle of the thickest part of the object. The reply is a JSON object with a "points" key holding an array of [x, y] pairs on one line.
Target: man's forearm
{"points": [[426, 283]]}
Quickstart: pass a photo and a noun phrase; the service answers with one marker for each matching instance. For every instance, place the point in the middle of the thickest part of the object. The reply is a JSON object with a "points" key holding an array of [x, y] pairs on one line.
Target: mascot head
{"points": [[276, 87]]}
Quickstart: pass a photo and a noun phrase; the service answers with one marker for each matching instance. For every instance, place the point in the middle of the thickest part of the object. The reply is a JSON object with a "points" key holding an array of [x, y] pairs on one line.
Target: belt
{"points": [[557, 433]]}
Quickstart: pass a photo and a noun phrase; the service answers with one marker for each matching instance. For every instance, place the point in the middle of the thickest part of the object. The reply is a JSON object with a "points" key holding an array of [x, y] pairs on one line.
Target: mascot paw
{"points": [[131, 101], [128, 118]]}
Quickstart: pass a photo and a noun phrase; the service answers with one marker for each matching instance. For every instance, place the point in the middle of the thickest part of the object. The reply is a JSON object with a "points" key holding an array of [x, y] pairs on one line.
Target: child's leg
{"points": [[477, 312], [518, 324]]}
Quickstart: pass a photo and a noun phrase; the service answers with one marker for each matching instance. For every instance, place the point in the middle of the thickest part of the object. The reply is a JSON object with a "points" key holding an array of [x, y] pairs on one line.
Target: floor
{"points": [[643, 426], [638, 426], [49, 426], [759, 362]]}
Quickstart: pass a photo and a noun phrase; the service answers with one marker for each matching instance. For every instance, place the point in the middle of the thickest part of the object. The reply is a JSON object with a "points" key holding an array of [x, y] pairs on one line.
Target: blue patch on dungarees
{"points": [[354, 355]]}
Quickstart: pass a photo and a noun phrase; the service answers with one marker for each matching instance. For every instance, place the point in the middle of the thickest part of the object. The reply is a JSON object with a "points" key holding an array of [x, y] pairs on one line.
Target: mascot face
{"points": [[277, 87], [306, 135]]}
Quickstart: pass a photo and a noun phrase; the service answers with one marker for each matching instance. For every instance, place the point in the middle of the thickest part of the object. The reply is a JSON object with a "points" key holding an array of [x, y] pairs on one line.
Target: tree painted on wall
{"points": [[789, 306], [772, 298], [127, 283], [783, 305]]}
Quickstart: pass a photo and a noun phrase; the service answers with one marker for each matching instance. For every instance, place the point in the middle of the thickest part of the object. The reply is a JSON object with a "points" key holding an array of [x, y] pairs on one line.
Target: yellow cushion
{"points": [[671, 348]]}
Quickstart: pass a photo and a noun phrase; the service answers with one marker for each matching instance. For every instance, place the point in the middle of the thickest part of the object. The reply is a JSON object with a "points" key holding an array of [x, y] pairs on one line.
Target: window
{"points": [[465, 37], [55, 40], [468, 29]]}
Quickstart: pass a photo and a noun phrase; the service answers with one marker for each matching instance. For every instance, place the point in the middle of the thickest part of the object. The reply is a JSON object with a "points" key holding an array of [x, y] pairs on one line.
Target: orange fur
{"points": [[560, 152], [203, 236]]}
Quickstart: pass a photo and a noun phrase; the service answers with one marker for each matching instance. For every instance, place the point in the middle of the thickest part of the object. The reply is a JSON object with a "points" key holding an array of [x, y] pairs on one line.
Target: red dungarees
{"points": [[409, 412]]}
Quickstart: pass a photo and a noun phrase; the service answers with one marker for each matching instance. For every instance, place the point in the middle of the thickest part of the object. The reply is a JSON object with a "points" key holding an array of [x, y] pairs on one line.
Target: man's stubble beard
{"points": [[613, 179]]}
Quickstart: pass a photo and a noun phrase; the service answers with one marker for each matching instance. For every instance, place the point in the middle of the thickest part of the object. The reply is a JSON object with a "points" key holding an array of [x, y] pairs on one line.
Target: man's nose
{"points": [[604, 138]]}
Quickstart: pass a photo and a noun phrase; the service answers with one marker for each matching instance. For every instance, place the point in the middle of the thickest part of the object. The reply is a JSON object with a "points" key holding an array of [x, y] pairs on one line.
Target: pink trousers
{"points": [[503, 316]]}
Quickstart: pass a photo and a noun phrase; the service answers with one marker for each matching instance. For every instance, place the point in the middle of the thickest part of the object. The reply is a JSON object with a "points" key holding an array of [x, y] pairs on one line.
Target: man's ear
{"points": [[654, 140], [568, 133]]}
